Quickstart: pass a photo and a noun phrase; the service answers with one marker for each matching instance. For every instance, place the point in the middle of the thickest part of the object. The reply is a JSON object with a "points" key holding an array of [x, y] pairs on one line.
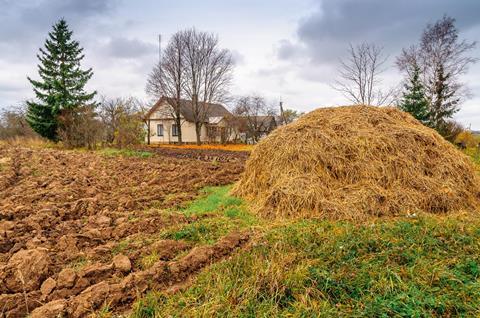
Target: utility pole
{"points": [[159, 65], [282, 114], [159, 49]]}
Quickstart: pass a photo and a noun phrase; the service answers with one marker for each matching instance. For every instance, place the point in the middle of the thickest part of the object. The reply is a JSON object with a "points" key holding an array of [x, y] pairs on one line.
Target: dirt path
{"points": [[64, 216]]}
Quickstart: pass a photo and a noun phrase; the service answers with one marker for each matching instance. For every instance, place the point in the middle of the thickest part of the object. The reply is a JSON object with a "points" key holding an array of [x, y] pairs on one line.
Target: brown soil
{"points": [[64, 216], [210, 155]]}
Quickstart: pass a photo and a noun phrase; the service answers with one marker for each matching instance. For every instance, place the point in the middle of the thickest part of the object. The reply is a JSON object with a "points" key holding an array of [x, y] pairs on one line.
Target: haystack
{"points": [[352, 162]]}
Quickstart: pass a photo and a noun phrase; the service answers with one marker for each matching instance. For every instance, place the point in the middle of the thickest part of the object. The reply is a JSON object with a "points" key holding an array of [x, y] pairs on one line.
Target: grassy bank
{"points": [[409, 267]]}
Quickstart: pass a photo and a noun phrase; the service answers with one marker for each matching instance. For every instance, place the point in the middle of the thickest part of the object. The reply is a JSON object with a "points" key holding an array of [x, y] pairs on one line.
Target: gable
{"points": [[163, 109]]}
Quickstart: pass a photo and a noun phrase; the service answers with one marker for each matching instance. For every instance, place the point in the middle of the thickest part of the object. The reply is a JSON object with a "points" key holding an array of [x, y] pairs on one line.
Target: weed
{"points": [[147, 306], [120, 247], [147, 261], [104, 312], [423, 267], [219, 201], [79, 263], [113, 152]]}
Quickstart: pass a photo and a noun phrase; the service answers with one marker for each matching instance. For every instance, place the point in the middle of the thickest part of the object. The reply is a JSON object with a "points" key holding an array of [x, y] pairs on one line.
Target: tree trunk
{"points": [[178, 121], [148, 132], [198, 131], [178, 117]]}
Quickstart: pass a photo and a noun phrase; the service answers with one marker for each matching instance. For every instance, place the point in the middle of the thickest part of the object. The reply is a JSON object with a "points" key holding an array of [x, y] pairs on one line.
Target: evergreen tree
{"points": [[62, 82], [414, 100], [445, 102]]}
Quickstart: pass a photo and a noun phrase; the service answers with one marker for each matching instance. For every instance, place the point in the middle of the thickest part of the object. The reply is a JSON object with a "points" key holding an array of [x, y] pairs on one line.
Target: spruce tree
{"points": [[62, 83], [414, 100], [445, 102]]}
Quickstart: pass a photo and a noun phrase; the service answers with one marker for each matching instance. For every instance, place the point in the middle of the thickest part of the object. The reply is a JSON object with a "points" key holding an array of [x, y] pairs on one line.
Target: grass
{"points": [[405, 267], [79, 263], [149, 260], [473, 153], [424, 266], [121, 247], [218, 213], [30, 142], [113, 152], [229, 147]]}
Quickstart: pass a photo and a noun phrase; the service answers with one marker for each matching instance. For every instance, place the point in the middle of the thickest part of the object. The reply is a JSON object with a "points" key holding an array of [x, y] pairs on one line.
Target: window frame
{"points": [[162, 130], [174, 130]]}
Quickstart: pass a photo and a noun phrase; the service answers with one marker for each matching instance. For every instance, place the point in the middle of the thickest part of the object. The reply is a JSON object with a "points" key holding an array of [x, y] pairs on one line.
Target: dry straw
{"points": [[357, 161]]}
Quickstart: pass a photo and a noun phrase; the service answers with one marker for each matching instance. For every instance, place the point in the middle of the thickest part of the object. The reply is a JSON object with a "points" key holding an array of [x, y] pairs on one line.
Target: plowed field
{"points": [[74, 226]]}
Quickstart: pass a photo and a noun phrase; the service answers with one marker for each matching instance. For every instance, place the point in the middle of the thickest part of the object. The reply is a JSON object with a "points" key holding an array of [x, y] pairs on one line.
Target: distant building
{"points": [[162, 128], [251, 129], [220, 126]]}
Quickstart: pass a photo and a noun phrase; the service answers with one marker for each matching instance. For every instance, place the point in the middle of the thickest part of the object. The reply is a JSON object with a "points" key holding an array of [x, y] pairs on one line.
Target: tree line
{"points": [[193, 66], [432, 90]]}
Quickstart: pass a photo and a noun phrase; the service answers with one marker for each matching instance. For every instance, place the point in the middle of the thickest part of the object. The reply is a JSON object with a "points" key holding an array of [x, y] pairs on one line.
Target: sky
{"points": [[283, 49]]}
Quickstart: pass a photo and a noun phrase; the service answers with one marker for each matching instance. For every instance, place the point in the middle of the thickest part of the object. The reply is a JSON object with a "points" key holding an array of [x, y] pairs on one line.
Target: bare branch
{"points": [[360, 75]]}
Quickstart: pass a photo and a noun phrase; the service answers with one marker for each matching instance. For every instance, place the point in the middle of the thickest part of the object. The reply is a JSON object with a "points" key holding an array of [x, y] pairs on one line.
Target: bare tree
{"points": [[13, 123], [360, 75], [80, 127], [442, 59], [168, 77], [112, 110], [208, 73], [254, 116], [131, 131], [290, 115]]}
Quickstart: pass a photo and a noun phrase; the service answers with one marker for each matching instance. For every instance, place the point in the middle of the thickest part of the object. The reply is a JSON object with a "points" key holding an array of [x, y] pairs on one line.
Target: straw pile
{"points": [[357, 161]]}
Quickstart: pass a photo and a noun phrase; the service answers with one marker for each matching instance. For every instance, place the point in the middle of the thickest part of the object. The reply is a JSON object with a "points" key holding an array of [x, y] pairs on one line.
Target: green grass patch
{"points": [[217, 200], [79, 263], [212, 199], [473, 153], [147, 261], [121, 247], [218, 214], [114, 152], [411, 267]]}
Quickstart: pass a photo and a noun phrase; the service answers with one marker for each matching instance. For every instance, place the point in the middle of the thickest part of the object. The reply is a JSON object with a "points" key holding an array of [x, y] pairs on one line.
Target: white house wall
{"points": [[163, 115]]}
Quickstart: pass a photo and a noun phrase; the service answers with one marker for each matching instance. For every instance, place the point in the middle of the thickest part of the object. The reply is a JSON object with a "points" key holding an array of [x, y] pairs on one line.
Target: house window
{"points": [[160, 130], [174, 130]]}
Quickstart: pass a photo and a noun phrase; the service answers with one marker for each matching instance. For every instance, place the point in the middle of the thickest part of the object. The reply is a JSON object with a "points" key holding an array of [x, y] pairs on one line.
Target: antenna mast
{"points": [[159, 48]]}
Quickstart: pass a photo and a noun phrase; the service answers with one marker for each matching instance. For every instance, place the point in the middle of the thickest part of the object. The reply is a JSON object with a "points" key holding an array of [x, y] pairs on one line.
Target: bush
{"points": [[79, 128], [112, 110], [466, 139], [450, 130], [13, 124], [130, 130]]}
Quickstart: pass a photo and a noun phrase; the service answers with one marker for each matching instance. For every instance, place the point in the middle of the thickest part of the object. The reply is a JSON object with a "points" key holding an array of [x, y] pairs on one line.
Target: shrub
{"points": [[130, 130], [450, 130], [466, 139], [79, 128], [13, 124]]}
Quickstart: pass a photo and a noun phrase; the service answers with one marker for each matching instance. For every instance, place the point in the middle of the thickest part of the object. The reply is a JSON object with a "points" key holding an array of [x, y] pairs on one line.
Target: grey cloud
{"points": [[272, 71], [129, 48], [238, 58], [393, 24], [24, 20], [25, 24], [43, 11], [287, 50]]}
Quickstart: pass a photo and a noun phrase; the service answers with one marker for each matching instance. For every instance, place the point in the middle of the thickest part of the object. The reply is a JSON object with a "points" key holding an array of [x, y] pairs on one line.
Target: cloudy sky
{"points": [[286, 49]]}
